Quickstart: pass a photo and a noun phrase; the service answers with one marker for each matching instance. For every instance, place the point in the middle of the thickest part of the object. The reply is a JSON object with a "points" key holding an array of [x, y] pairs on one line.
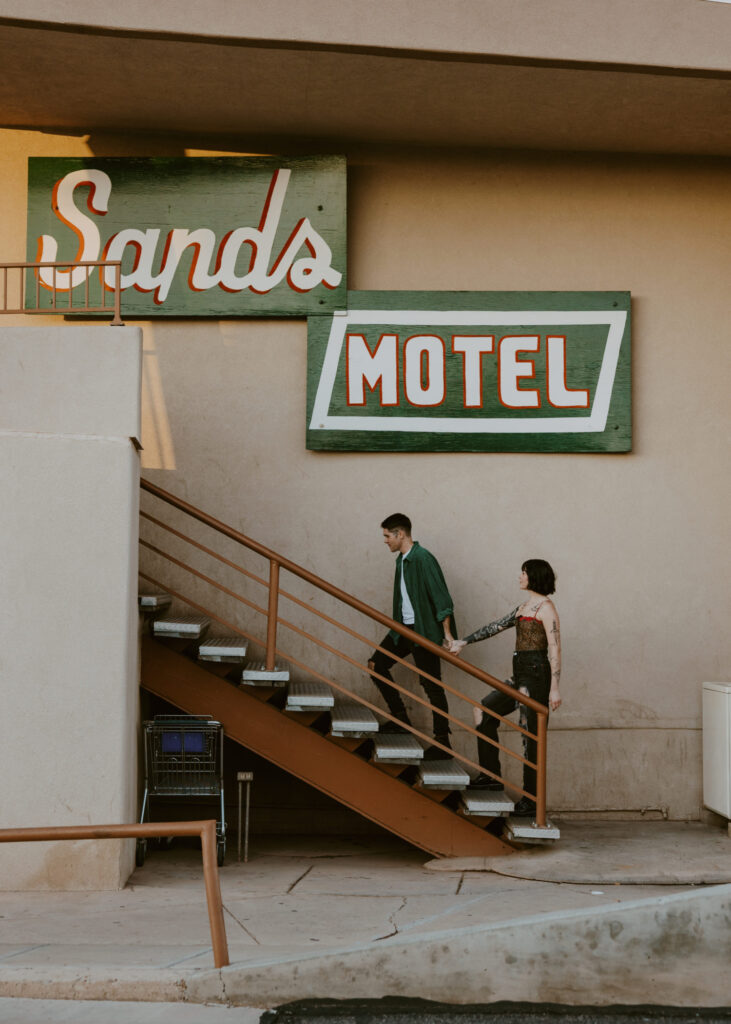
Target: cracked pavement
{"points": [[296, 895]]}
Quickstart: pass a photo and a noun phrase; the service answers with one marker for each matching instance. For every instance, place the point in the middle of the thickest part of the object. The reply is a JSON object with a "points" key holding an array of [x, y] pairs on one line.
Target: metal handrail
{"points": [[277, 562], [314, 611], [56, 306], [333, 650], [205, 829]]}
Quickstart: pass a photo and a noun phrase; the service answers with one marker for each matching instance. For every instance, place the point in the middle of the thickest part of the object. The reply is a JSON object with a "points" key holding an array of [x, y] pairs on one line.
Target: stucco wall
{"points": [[68, 565], [638, 540]]}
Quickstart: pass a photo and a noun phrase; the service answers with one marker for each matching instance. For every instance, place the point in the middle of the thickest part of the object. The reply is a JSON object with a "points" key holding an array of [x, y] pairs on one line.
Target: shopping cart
{"points": [[183, 758]]}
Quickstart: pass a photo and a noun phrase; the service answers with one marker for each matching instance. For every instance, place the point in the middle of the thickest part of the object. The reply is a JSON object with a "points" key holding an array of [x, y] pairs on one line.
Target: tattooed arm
{"points": [[484, 632], [549, 617]]}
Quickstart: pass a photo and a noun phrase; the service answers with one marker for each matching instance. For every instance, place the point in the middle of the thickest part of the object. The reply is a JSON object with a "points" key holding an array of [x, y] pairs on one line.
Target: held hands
{"points": [[453, 646], [554, 699]]}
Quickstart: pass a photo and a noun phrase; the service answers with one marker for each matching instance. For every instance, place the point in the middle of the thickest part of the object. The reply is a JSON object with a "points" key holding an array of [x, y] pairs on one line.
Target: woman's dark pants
{"points": [[532, 671], [424, 660]]}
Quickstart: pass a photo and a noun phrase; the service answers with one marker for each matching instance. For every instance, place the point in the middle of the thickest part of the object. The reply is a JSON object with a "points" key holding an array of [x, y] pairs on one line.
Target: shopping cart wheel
{"points": [[221, 851], [140, 852]]}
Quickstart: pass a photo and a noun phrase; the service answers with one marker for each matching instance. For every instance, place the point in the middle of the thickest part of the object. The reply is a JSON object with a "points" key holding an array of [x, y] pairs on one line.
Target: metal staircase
{"points": [[313, 726], [310, 745]]}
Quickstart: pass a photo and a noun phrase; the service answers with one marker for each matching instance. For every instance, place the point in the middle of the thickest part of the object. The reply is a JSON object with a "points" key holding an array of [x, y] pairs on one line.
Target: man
{"points": [[422, 602]]}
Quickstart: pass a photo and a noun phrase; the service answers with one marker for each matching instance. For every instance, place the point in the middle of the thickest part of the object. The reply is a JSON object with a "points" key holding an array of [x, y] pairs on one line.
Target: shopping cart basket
{"points": [[183, 758]]}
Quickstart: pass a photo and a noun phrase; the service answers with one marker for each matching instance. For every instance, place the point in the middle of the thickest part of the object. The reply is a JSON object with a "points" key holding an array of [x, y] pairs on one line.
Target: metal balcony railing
{"points": [[42, 288]]}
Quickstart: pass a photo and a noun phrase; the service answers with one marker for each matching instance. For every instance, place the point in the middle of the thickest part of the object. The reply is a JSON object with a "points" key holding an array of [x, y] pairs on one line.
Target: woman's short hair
{"points": [[541, 576]]}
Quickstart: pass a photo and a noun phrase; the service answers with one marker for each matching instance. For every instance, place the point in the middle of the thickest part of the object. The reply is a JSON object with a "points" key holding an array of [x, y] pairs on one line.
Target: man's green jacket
{"points": [[428, 592]]}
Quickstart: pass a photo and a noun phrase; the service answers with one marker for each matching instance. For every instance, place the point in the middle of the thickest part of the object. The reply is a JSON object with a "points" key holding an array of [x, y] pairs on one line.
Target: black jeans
{"points": [[423, 659], [532, 671]]}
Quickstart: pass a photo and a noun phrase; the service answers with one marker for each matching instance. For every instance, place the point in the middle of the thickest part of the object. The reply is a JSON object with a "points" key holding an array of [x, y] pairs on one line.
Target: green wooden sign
{"points": [[471, 371], [200, 236]]}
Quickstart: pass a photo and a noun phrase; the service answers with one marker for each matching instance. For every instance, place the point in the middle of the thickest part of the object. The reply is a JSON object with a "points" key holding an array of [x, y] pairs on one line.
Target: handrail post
{"points": [[541, 747], [205, 829], [213, 894], [272, 615], [117, 319]]}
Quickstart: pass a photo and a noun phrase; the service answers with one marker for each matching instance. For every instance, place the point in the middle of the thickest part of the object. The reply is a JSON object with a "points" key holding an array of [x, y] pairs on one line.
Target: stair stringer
{"points": [[347, 778]]}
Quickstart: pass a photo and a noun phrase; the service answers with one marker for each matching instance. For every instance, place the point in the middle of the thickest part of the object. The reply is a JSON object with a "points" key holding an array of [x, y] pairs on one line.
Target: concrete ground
{"points": [[301, 902]]}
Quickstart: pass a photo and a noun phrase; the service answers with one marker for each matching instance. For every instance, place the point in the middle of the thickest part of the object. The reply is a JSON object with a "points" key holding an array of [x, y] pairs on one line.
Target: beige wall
{"points": [[638, 540], [69, 408]]}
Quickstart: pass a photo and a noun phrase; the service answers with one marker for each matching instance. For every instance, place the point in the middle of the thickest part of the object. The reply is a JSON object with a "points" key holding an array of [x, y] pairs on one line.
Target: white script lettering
{"points": [[212, 265]]}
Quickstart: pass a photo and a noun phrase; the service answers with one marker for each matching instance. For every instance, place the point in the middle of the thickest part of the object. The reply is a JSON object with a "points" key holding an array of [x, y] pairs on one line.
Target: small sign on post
{"points": [[241, 778]]}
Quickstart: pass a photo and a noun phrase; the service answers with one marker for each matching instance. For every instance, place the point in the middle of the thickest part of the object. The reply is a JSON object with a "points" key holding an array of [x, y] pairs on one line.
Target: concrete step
{"points": [[257, 674], [308, 697], [349, 718], [443, 775], [154, 602], [229, 649], [487, 802], [524, 830], [188, 627], [397, 748]]}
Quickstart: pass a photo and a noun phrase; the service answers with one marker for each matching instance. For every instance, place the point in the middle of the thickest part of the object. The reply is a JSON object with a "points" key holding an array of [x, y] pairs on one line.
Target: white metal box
{"points": [[717, 747]]}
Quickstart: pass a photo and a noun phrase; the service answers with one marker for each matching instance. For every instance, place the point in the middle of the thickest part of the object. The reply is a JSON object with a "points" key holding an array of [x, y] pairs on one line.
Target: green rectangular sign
{"points": [[471, 371], [197, 236]]}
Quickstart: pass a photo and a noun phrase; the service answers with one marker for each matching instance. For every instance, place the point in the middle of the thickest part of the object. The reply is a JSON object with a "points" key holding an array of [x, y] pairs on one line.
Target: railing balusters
{"points": [[117, 321], [272, 615], [541, 745], [54, 288]]}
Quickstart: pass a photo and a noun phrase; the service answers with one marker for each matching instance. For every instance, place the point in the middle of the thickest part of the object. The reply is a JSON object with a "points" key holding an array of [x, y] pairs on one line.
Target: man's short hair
{"points": [[398, 521]]}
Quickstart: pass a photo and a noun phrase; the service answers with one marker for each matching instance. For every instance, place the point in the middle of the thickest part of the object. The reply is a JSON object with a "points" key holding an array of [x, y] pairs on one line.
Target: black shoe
{"points": [[437, 754], [485, 782], [524, 808]]}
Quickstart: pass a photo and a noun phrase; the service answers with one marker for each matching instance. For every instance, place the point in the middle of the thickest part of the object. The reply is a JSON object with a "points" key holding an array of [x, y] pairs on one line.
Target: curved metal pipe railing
{"points": [[205, 829]]}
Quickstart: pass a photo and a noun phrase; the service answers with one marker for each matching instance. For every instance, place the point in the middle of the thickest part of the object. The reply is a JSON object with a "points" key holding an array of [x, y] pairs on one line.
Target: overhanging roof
{"points": [[485, 80]]}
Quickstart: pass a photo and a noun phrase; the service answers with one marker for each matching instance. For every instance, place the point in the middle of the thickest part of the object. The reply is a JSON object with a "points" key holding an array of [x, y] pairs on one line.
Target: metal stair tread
{"points": [[223, 648], [257, 674], [349, 718], [187, 626], [445, 774], [304, 696], [397, 748], [488, 802], [154, 602], [328, 765], [524, 830]]}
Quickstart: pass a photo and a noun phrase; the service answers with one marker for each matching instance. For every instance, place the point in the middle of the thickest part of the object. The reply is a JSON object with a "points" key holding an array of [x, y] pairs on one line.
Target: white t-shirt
{"points": [[407, 608]]}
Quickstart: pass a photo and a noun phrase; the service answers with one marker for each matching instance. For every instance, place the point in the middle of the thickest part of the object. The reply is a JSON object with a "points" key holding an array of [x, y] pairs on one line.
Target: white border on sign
{"points": [[595, 422]]}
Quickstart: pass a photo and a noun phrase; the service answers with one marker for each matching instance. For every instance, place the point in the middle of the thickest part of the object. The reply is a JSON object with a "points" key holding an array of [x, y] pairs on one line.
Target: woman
{"points": [[536, 672]]}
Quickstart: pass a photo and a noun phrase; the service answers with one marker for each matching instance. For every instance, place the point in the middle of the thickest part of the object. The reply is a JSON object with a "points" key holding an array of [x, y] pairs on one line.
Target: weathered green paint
{"points": [[211, 196], [596, 358]]}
